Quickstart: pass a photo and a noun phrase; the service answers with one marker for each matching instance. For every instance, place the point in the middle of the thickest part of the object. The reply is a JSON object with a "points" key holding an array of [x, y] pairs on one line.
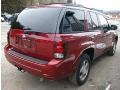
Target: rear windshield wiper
{"points": [[26, 31]]}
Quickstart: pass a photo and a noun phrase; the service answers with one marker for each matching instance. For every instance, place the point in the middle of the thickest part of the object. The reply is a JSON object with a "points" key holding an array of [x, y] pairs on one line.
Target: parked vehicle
{"points": [[12, 18], [2, 19], [59, 40], [6, 16]]}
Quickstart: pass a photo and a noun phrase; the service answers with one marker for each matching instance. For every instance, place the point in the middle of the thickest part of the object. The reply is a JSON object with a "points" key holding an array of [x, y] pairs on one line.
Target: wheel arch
{"points": [[90, 52]]}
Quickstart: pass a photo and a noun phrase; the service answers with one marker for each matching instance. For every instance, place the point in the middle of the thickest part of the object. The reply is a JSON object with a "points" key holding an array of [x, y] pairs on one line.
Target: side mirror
{"points": [[113, 27]]}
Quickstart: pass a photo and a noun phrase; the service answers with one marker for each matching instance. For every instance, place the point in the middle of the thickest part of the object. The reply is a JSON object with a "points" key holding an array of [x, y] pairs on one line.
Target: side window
{"points": [[89, 21], [103, 22], [79, 16], [94, 20], [73, 21], [66, 24]]}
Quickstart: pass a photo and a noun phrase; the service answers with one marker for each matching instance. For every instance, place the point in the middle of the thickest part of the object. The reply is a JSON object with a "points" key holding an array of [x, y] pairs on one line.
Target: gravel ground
{"points": [[105, 72]]}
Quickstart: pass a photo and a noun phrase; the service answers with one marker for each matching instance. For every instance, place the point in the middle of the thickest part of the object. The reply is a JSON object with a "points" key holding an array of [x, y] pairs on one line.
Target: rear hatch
{"points": [[33, 32]]}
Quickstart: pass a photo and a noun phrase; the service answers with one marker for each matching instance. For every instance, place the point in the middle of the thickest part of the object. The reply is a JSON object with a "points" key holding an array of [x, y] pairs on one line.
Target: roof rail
{"points": [[77, 5], [71, 4]]}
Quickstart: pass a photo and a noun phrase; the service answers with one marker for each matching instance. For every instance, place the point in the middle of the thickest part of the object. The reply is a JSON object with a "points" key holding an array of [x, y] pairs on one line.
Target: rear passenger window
{"points": [[94, 20], [67, 27], [79, 15], [73, 21]]}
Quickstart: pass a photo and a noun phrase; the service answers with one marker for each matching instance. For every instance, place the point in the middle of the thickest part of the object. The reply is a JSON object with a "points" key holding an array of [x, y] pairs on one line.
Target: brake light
{"points": [[59, 50]]}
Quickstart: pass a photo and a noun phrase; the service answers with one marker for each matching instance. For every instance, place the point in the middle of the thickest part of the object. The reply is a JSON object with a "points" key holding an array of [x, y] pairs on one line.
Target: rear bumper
{"points": [[53, 69]]}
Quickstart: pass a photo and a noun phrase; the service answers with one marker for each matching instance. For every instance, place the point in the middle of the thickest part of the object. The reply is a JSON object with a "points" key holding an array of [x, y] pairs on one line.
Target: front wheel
{"points": [[81, 74]]}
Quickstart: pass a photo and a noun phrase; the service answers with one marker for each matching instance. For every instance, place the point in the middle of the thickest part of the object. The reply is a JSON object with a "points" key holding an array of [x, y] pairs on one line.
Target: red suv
{"points": [[59, 40]]}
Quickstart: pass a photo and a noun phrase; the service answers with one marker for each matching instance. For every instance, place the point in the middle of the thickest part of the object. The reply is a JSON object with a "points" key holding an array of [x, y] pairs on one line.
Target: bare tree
{"points": [[12, 6], [69, 1]]}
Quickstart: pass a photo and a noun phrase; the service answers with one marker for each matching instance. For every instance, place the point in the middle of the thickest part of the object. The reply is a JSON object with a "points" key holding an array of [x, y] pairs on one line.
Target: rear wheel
{"points": [[81, 74], [112, 51]]}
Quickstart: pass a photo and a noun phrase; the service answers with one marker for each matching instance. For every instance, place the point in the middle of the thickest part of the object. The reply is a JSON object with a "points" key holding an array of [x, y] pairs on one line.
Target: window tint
{"points": [[67, 27], [94, 20], [71, 19], [89, 21], [38, 19], [79, 15], [66, 21], [74, 24], [103, 22], [74, 20]]}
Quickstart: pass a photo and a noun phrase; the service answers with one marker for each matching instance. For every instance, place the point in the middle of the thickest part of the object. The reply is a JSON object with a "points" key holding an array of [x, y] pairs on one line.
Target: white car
{"points": [[2, 19]]}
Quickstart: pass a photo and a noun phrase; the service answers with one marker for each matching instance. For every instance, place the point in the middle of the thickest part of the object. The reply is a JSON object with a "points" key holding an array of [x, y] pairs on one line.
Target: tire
{"points": [[112, 51], [80, 76]]}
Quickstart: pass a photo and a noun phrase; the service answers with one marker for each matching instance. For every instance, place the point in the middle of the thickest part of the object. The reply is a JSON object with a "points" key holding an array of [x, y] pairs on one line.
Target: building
{"points": [[114, 15]]}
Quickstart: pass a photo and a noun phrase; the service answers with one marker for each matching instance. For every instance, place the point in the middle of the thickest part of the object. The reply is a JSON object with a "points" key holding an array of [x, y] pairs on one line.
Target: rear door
{"points": [[95, 33], [73, 32], [107, 35]]}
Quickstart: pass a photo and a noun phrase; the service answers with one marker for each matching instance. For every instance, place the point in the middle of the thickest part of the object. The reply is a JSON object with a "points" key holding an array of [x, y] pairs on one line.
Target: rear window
{"points": [[37, 19]]}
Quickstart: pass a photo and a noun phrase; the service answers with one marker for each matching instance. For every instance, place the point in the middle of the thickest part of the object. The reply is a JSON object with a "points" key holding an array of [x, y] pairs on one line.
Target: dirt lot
{"points": [[105, 72]]}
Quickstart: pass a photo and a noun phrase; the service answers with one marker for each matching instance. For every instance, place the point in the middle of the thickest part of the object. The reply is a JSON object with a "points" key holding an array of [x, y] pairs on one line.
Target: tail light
{"points": [[59, 52]]}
